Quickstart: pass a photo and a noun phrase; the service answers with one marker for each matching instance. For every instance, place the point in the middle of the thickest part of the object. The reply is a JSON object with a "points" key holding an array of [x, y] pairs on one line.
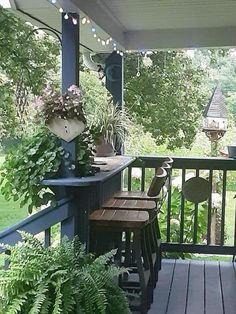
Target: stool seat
{"points": [[129, 204], [124, 219], [136, 196]]}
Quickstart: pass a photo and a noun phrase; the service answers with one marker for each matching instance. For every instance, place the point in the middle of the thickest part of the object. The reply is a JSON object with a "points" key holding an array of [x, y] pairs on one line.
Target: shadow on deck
{"points": [[195, 287]]}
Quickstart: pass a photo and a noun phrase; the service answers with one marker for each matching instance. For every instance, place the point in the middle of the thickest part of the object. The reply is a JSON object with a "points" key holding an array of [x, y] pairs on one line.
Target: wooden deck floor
{"points": [[195, 287]]}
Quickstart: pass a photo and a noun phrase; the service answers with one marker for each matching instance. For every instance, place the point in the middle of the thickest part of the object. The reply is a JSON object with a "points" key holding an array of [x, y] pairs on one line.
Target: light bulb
{"points": [[99, 39], [107, 41], [103, 43], [66, 16], [53, 1], [94, 35], [110, 38], [88, 21], [118, 51], [74, 21], [60, 10], [121, 53], [93, 30], [114, 48], [84, 20], [114, 44]]}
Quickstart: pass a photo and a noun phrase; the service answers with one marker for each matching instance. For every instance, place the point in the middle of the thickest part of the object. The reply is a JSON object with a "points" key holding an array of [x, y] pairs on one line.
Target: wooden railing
{"points": [[42, 222], [207, 167]]}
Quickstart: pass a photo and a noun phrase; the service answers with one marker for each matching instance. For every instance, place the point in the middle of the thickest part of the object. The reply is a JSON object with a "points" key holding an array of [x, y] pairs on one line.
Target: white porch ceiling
{"points": [[148, 24]]}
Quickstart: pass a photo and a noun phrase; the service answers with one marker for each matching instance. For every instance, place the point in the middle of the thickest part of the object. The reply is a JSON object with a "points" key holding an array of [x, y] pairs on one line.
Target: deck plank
{"points": [[228, 279], [195, 288], [161, 293], [195, 302], [213, 293], [178, 296]]}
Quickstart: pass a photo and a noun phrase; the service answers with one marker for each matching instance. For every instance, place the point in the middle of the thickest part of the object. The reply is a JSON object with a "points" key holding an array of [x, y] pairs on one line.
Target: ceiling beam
{"points": [[181, 38], [102, 17]]}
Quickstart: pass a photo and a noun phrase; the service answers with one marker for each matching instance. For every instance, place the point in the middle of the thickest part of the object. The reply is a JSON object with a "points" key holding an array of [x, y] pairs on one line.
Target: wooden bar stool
{"points": [[153, 250], [145, 201], [123, 221]]}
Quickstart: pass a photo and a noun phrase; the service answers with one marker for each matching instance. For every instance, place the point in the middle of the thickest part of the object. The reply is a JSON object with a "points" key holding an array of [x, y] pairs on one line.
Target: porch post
{"points": [[70, 76], [114, 71]]}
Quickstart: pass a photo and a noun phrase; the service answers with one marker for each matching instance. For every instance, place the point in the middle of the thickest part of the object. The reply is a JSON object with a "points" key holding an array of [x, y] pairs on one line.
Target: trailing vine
{"points": [[34, 159]]}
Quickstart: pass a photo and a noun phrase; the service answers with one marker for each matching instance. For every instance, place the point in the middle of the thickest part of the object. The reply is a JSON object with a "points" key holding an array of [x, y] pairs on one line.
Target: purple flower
{"points": [[38, 102], [74, 89]]}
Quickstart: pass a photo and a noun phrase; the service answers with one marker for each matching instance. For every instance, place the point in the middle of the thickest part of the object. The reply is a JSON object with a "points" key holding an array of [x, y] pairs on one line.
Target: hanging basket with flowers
{"points": [[63, 114]]}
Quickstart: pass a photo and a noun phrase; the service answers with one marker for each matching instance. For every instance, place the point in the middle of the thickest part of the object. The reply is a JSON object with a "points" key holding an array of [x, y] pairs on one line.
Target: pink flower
{"points": [[74, 89], [38, 102]]}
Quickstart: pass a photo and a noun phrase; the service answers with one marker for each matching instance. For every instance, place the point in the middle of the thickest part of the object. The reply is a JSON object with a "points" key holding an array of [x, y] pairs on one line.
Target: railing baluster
{"points": [[195, 228], [209, 211], [129, 178], [181, 236], [222, 226], [47, 237], [168, 217], [234, 223], [143, 178]]}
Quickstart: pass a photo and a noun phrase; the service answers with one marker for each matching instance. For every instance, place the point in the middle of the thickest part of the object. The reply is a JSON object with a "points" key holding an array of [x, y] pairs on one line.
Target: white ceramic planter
{"points": [[66, 129]]}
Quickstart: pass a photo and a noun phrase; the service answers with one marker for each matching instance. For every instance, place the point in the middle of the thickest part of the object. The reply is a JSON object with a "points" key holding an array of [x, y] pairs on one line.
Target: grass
{"points": [[10, 212], [230, 217]]}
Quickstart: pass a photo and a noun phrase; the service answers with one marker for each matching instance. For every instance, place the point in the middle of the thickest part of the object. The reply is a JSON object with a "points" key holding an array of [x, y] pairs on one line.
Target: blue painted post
{"points": [[114, 71], [70, 76]]}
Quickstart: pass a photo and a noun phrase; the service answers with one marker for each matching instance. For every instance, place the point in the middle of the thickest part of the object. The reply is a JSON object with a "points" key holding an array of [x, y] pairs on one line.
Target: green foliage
{"points": [[189, 214], [28, 61], [62, 279], [94, 94], [111, 122], [166, 98], [85, 154], [36, 158]]}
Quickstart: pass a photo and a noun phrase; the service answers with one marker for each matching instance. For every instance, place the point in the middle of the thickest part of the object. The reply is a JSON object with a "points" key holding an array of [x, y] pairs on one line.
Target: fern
{"points": [[62, 279]]}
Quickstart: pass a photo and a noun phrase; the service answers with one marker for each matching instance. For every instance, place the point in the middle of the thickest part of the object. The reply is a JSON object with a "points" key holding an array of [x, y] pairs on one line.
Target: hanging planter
{"points": [[66, 129], [63, 114]]}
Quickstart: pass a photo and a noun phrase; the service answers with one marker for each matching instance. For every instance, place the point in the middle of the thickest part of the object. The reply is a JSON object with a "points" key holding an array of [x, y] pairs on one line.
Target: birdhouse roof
{"points": [[216, 107]]}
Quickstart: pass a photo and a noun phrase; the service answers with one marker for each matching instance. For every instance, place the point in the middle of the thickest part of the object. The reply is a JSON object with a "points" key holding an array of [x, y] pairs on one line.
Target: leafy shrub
{"points": [[189, 214], [35, 158], [62, 279]]}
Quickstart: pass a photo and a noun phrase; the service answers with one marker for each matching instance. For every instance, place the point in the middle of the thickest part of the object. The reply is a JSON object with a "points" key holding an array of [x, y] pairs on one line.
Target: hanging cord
{"points": [[138, 68]]}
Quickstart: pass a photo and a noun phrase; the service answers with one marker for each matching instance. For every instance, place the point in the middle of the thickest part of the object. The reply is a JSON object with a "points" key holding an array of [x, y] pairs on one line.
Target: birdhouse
{"points": [[215, 116]]}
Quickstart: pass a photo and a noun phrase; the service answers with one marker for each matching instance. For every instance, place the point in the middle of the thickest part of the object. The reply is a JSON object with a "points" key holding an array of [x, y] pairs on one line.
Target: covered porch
{"points": [[184, 286]]}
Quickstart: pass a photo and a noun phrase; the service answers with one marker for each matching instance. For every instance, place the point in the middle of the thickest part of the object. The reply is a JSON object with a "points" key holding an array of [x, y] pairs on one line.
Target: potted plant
{"points": [[63, 114], [108, 125], [62, 279]]}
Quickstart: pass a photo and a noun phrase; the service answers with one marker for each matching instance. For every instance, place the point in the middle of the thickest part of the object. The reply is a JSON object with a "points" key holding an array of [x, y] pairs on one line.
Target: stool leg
{"points": [[146, 235], [138, 256], [158, 242]]}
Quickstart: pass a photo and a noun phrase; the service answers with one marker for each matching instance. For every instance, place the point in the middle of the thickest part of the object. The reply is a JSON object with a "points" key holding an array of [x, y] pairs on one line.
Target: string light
{"points": [[85, 20], [75, 22]]}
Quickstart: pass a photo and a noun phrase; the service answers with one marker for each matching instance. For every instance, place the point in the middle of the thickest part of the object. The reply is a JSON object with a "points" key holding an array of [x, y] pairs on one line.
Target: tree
{"points": [[28, 60], [166, 98]]}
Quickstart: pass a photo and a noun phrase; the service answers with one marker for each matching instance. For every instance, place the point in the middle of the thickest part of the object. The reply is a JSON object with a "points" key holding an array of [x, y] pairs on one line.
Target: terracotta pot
{"points": [[66, 129], [104, 149]]}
